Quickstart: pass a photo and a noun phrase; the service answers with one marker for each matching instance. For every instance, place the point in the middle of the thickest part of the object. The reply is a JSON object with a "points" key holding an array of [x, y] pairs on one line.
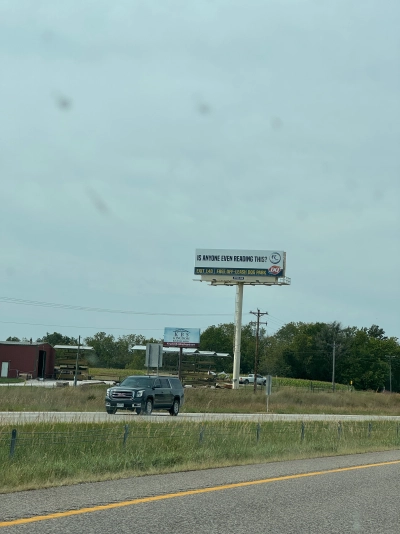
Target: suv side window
{"points": [[157, 383], [164, 383], [175, 382]]}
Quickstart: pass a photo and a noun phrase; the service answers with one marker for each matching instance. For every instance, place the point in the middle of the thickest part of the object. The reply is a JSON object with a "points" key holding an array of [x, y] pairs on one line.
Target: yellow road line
{"points": [[99, 508]]}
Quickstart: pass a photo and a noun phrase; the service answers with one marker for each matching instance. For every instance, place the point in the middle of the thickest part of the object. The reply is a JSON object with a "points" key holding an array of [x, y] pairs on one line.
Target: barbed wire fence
{"points": [[19, 443]]}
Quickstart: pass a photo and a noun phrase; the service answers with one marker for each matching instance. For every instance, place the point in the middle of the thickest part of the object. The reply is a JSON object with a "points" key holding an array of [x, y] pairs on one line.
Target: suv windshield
{"points": [[137, 382]]}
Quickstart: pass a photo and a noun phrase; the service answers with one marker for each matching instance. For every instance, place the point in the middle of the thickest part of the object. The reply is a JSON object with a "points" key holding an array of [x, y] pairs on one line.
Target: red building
{"points": [[36, 359]]}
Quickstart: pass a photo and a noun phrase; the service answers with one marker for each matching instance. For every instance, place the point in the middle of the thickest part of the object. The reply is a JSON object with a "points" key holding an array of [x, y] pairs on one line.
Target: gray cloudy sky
{"points": [[134, 132]]}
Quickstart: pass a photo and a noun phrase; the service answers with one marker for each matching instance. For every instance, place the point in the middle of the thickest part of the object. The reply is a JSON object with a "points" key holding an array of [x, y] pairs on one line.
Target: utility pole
{"points": [[258, 314]]}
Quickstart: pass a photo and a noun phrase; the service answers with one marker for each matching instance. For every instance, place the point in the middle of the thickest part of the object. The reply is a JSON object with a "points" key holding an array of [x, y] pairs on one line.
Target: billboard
{"points": [[181, 337], [239, 264]]}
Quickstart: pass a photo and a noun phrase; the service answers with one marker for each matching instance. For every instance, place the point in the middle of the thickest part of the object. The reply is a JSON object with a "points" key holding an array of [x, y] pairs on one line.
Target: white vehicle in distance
{"points": [[249, 379]]}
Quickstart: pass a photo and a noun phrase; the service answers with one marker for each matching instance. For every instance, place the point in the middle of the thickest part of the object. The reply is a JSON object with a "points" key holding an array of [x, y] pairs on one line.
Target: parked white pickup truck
{"points": [[249, 379]]}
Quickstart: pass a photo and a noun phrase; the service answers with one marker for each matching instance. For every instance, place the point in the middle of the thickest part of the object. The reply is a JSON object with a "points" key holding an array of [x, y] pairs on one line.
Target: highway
{"points": [[356, 493]]}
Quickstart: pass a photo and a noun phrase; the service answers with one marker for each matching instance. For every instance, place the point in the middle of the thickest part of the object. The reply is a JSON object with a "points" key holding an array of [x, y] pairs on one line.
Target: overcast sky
{"points": [[134, 132]]}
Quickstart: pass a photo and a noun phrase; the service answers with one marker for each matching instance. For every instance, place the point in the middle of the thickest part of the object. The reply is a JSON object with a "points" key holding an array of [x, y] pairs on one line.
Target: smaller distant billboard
{"points": [[181, 337]]}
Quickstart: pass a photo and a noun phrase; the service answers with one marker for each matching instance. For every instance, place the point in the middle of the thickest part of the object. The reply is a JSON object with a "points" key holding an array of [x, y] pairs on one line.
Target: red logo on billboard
{"points": [[274, 269]]}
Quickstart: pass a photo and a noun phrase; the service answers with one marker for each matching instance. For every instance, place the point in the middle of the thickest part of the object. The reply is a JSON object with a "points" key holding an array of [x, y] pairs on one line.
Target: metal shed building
{"points": [[26, 357]]}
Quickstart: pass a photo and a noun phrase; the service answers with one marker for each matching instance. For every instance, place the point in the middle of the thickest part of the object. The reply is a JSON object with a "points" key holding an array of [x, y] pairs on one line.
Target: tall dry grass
{"points": [[205, 400], [58, 454]]}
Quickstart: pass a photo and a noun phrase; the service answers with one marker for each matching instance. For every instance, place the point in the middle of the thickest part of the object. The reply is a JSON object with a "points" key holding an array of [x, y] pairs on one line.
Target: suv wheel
{"points": [[175, 408], [246, 382], [111, 411], [148, 407]]}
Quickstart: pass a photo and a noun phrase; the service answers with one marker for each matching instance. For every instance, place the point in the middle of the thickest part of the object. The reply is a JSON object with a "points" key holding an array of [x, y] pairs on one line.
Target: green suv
{"points": [[144, 394]]}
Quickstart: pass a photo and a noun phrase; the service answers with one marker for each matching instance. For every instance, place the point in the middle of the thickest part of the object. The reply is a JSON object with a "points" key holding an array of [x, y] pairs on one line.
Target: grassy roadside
{"points": [[49, 455], [205, 400], [52, 454], [277, 382]]}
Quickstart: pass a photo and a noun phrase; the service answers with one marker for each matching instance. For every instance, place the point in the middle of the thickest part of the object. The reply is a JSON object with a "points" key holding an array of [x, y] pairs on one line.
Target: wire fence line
{"points": [[278, 385], [19, 443], [313, 387]]}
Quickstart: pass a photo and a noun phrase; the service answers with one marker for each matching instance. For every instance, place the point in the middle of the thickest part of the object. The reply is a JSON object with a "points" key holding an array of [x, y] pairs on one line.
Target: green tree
{"points": [[392, 359], [126, 357], [105, 349], [57, 339], [137, 357], [221, 338], [294, 351], [305, 350], [248, 349], [366, 363], [376, 332], [332, 337], [280, 354], [117, 353]]}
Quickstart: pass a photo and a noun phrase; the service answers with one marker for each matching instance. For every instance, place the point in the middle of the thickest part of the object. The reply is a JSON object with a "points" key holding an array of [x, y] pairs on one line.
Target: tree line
{"points": [[364, 357]]}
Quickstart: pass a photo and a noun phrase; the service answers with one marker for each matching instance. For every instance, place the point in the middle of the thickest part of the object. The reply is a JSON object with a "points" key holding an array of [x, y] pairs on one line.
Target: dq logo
{"points": [[274, 269]]}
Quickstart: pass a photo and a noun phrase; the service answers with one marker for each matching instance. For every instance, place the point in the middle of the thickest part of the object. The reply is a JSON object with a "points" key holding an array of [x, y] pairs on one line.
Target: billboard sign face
{"points": [[239, 264], [181, 337]]}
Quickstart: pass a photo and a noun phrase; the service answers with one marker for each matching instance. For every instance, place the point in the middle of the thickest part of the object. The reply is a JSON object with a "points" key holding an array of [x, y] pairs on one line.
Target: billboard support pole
{"points": [[238, 335], [180, 364]]}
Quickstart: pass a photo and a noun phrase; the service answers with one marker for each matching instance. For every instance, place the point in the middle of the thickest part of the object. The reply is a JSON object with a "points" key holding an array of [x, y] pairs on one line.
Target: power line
{"points": [[25, 302], [277, 320], [275, 324], [99, 328]]}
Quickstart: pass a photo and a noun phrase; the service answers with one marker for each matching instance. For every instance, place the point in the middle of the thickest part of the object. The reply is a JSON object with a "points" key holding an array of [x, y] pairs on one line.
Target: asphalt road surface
{"points": [[341, 494], [97, 417]]}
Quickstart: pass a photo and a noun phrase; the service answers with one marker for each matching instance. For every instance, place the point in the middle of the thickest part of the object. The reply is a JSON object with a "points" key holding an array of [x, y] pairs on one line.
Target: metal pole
{"points": [[256, 356], [13, 442], [390, 373], [238, 335], [76, 363], [180, 364], [126, 432], [333, 366]]}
